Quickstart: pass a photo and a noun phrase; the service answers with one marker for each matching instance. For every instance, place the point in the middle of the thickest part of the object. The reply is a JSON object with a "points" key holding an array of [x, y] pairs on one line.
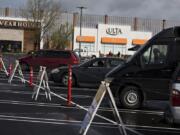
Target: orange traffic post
{"points": [[31, 77], [10, 69], [0, 63], [69, 97], [0, 60]]}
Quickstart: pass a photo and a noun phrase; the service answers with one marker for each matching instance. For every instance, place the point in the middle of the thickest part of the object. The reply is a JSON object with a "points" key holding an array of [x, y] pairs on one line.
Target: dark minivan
{"points": [[49, 58], [147, 74]]}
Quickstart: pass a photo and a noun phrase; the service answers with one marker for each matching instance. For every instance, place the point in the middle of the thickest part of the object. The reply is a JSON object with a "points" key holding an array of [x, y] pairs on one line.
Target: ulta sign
{"points": [[114, 31]]}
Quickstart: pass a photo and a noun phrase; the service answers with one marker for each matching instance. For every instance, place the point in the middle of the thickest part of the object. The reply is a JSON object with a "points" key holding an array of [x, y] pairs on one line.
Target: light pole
{"points": [[81, 9]]}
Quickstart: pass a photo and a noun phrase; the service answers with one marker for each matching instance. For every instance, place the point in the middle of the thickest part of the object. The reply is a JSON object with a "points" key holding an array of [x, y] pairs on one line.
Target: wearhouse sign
{"points": [[18, 24]]}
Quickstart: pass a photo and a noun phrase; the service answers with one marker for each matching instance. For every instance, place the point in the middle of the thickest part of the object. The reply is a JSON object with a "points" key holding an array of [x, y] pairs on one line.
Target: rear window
{"points": [[56, 54], [114, 63]]}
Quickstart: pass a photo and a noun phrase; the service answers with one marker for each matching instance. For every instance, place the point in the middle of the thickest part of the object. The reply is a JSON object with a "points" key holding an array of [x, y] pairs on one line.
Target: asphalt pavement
{"points": [[21, 115]]}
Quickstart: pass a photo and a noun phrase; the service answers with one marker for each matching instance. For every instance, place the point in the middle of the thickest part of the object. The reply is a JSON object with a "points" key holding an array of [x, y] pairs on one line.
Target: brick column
{"points": [[6, 12], [106, 19], [135, 24], [163, 24]]}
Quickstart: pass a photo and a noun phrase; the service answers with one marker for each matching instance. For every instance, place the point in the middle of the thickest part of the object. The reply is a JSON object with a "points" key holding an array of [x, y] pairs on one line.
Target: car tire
{"points": [[93, 56], [131, 98], [168, 116], [64, 80]]}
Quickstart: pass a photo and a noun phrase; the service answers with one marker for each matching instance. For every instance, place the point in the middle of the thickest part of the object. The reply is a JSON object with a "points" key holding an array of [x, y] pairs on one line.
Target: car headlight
{"points": [[54, 71]]}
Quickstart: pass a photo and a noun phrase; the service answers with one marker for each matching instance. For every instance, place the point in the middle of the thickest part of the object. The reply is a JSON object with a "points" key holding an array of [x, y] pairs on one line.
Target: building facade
{"points": [[100, 33], [17, 34], [105, 39]]}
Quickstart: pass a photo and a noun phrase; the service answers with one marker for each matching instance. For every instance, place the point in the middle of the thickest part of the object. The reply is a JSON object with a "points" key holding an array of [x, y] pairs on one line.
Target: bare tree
{"points": [[43, 13], [61, 38]]}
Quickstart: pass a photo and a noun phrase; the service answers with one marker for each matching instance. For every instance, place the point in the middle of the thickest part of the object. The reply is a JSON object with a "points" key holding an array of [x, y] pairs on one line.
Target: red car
{"points": [[48, 58]]}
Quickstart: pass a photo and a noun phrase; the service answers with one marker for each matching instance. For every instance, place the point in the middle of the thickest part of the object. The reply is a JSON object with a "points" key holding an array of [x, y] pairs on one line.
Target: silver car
{"points": [[172, 114]]}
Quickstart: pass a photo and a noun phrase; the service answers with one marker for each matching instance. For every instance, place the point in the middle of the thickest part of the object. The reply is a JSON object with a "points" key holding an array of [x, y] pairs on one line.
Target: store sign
{"points": [[113, 31], [18, 24]]}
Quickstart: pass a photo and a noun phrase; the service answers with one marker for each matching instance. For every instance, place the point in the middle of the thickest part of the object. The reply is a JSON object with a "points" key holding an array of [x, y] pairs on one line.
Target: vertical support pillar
{"points": [[31, 77], [135, 23], [6, 12], [163, 24], [75, 15], [106, 19], [69, 97], [1, 63]]}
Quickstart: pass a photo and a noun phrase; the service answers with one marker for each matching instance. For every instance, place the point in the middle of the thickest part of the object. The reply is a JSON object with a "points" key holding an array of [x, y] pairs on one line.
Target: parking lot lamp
{"points": [[81, 11]]}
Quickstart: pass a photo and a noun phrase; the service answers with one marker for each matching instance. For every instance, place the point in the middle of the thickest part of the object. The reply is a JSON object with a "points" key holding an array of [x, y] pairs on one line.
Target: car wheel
{"points": [[64, 80], [168, 116], [93, 57], [131, 98]]}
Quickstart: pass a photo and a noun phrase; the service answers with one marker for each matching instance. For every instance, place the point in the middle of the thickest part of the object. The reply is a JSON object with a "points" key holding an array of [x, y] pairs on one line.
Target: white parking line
{"points": [[76, 122], [154, 128], [52, 121], [84, 96], [54, 87], [81, 107], [100, 116], [34, 104], [29, 93]]}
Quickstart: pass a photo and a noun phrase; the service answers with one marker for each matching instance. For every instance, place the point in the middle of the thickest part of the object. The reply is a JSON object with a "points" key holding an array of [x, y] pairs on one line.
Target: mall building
{"points": [[16, 35], [107, 38], [101, 34]]}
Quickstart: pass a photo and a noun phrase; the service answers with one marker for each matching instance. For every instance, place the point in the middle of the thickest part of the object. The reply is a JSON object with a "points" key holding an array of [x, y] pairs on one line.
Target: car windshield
{"points": [[85, 62], [136, 53]]}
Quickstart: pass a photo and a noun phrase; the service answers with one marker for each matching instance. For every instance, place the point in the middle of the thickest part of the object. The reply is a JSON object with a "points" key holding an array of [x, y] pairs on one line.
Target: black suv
{"points": [[147, 74]]}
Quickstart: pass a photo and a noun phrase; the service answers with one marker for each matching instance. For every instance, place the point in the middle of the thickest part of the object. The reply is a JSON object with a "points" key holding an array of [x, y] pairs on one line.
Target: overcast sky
{"points": [[155, 9]]}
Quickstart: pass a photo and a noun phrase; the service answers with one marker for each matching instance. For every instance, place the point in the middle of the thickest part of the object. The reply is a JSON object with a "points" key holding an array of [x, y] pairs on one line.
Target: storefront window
{"points": [[90, 47], [10, 46], [106, 48]]}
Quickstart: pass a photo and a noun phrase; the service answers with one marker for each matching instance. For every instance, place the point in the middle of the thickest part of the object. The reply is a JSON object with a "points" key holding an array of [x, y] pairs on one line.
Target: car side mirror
{"points": [[34, 55]]}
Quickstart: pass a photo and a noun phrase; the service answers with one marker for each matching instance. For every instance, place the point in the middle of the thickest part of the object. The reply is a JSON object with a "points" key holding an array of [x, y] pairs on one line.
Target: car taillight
{"points": [[175, 97], [75, 60]]}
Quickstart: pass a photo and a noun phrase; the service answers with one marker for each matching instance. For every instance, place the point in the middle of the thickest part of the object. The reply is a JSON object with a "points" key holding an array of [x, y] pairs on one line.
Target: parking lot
{"points": [[20, 114]]}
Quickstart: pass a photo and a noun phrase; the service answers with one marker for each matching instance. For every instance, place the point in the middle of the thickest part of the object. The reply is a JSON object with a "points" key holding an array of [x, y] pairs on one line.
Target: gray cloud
{"points": [[12, 3], [157, 9]]}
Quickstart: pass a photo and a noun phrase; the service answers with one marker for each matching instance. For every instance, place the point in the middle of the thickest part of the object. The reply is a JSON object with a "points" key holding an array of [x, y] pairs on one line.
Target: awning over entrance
{"points": [[139, 41], [108, 40], [86, 39]]}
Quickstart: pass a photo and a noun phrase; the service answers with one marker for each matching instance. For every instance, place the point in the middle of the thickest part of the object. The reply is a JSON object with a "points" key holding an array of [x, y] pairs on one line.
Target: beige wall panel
{"points": [[28, 40], [12, 34]]}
